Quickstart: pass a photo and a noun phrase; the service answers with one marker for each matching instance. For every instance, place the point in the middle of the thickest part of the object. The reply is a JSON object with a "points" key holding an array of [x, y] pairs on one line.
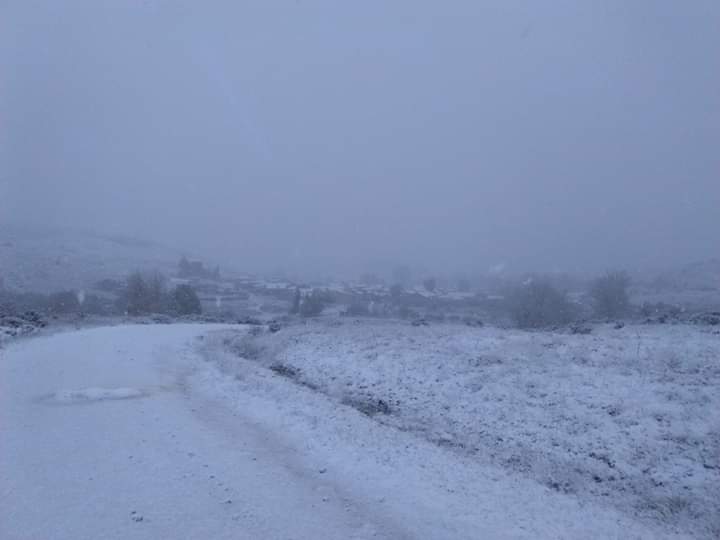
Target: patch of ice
{"points": [[95, 394]]}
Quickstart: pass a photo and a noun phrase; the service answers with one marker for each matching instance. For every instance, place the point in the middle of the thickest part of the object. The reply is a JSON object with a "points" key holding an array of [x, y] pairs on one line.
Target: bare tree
{"points": [[145, 294]]}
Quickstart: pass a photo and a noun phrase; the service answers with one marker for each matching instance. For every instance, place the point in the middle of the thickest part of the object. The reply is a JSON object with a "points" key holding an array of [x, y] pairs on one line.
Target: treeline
{"points": [[310, 304], [539, 303], [149, 294], [58, 303], [536, 302], [139, 294]]}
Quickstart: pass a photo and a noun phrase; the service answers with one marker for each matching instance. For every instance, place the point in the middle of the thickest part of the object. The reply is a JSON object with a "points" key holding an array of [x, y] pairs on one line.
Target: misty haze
{"points": [[404, 270]]}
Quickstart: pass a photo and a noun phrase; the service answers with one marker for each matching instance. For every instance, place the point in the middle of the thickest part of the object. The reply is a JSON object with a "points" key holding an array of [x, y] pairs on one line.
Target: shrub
{"points": [[297, 299], [285, 370], [327, 297], [145, 294], [248, 347], [313, 304], [660, 310], [538, 304], [358, 308], [136, 292], [405, 312], [185, 301], [34, 318], [610, 296]]}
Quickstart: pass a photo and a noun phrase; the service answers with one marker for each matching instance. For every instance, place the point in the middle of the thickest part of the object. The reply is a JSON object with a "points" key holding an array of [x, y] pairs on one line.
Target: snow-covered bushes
{"points": [[247, 346], [405, 312], [357, 308], [296, 301], [145, 294], [285, 370], [711, 318], [185, 300], [313, 304], [660, 312], [539, 304], [18, 325]]}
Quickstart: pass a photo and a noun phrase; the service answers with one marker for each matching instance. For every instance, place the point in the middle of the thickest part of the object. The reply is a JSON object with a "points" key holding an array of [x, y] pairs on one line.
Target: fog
{"points": [[343, 136]]}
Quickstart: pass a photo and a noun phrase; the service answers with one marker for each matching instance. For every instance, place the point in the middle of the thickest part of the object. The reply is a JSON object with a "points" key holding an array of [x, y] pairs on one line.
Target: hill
{"points": [[47, 260]]}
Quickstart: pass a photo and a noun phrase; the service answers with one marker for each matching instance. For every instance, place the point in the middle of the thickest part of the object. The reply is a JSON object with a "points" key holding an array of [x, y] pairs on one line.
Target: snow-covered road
{"points": [[104, 434]]}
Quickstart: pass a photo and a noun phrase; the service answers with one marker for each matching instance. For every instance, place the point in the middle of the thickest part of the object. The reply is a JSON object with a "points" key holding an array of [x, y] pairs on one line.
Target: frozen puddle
{"points": [[88, 395]]}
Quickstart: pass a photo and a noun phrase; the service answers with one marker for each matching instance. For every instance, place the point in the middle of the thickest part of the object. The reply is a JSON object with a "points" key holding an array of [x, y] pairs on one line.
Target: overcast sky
{"points": [[343, 134]]}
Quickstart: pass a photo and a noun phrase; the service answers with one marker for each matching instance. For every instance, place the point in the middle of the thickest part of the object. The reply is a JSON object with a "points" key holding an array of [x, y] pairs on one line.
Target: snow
{"points": [[156, 431], [458, 295], [625, 418], [94, 394], [168, 465], [433, 493]]}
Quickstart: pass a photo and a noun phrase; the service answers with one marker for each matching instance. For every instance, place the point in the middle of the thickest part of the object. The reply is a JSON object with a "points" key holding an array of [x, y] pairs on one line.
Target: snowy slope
{"points": [[126, 433], [628, 418], [49, 260]]}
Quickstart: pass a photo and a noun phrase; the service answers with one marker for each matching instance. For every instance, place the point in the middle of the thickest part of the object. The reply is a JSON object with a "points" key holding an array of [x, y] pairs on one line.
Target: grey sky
{"points": [[314, 134]]}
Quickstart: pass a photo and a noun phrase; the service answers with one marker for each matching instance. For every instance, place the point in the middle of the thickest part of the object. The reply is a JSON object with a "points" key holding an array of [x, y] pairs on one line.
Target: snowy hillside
{"points": [[48, 260], [625, 417]]}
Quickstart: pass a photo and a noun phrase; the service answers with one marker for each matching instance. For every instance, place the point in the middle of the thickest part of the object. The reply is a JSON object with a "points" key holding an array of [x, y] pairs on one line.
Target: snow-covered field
{"points": [[626, 418]]}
